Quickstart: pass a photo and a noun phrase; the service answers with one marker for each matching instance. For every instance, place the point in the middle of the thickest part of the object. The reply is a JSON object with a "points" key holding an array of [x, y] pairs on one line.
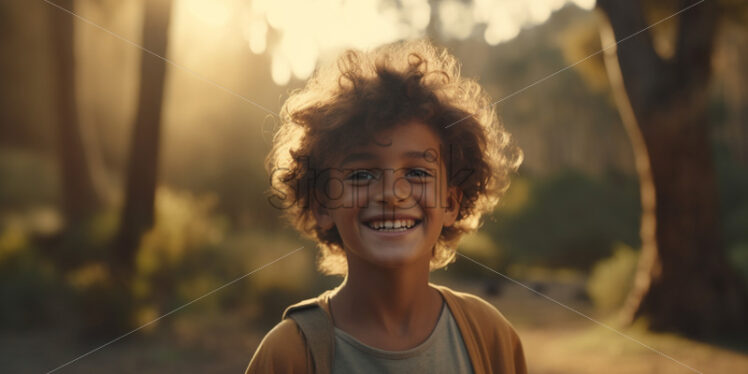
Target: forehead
{"points": [[413, 140]]}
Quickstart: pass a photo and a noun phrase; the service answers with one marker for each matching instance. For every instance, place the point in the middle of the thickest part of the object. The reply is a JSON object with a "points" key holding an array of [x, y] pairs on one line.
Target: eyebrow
{"points": [[415, 154], [359, 156], [366, 156]]}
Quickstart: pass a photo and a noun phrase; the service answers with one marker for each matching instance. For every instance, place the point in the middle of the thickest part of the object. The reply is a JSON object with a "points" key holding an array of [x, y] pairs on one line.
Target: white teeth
{"points": [[392, 225]]}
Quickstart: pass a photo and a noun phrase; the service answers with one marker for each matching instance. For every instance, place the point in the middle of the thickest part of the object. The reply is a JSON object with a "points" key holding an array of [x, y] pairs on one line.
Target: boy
{"points": [[386, 159]]}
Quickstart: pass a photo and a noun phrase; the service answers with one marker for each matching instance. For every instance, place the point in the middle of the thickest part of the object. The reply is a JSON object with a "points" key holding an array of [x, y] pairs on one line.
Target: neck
{"points": [[391, 299]]}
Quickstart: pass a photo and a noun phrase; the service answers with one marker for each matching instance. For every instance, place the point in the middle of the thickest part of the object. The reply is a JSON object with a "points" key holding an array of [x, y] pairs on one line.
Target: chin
{"points": [[394, 257]]}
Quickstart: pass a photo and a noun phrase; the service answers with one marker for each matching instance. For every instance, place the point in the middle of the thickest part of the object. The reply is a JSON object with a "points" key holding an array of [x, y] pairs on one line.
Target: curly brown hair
{"points": [[368, 92]]}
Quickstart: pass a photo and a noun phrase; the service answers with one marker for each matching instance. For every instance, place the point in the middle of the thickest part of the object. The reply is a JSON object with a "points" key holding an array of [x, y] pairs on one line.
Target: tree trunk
{"points": [[138, 209], [684, 282], [79, 196]]}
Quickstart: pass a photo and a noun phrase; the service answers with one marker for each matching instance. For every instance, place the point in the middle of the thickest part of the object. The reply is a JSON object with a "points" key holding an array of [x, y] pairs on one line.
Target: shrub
{"points": [[612, 278], [29, 291], [568, 220]]}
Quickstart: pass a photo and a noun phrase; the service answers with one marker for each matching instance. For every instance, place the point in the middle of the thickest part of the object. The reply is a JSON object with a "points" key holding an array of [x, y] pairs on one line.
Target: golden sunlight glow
{"points": [[211, 13], [280, 69], [301, 52], [311, 30], [256, 32], [455, 19], [505, 19]]}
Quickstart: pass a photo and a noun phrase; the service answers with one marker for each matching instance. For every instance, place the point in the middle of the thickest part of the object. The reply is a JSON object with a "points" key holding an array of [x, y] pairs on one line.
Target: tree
{"points": [[79, 196], [138, 210], [684, 282]]}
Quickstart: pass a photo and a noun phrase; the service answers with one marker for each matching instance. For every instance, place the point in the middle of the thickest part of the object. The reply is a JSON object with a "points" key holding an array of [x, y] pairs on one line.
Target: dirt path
{"points": [[555, 340]]}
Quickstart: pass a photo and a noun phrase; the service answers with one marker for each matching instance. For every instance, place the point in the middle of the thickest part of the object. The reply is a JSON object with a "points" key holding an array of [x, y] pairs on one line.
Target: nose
{"points": [[391, 189]]}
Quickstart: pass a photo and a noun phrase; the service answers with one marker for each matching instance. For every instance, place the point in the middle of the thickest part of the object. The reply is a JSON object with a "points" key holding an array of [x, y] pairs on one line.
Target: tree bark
{"points": [[684, 282], [79, 196], [138, 209]]}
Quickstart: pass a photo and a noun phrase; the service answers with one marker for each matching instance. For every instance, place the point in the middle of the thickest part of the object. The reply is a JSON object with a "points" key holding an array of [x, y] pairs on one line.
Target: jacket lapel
{"points": [[469, 336]]}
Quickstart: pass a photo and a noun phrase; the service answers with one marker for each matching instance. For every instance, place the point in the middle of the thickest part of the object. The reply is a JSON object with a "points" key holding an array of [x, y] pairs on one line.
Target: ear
{"points": [[322, 215], [452, 209]]}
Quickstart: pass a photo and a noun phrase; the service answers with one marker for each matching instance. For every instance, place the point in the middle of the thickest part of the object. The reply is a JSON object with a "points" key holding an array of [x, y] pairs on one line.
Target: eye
{"points": [[360, 176], [418, 173]]}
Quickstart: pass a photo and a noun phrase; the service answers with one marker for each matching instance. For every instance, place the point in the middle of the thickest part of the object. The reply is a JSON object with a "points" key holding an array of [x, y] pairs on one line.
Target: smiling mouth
{"points": [[397, 225]]}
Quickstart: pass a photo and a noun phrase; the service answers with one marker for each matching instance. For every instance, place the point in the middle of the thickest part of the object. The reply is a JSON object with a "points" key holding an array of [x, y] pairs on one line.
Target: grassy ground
{"points": [[556, 340]]}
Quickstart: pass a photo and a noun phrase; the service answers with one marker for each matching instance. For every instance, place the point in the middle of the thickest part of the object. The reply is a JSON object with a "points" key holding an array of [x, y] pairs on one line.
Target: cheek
{"points": [[346, 198], [357, 196], [336, 193], [426, 195], [335, 189]]}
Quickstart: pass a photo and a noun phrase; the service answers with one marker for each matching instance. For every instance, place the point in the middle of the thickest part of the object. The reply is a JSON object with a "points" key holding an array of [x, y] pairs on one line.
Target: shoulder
{"points": [[491, 331], [477, 308], [483, 318], [282, 350]]}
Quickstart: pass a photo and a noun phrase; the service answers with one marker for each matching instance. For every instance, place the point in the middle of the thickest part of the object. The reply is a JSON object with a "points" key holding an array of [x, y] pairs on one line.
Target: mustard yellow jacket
{"points": [[491, 342]]}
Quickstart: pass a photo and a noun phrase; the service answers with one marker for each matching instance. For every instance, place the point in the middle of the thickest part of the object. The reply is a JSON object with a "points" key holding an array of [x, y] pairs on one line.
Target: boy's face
{"points": [[389, 199]]}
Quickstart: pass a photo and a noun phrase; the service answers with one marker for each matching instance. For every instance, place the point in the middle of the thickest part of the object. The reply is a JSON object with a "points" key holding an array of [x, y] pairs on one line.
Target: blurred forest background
{"points": [[131, 185]]}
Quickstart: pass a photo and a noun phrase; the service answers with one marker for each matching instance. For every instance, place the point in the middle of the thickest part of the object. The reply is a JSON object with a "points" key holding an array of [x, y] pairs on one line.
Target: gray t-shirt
{"points": [[442, 352]]}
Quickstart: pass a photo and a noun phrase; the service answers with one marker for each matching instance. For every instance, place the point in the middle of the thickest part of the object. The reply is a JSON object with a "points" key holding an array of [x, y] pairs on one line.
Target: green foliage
{"points": [[738, 257], [28, 289], [181, 255], [28, 179], [732, 180], [733, 184], [481, 247], [568, 220], [612, 278], [190, 253]]}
